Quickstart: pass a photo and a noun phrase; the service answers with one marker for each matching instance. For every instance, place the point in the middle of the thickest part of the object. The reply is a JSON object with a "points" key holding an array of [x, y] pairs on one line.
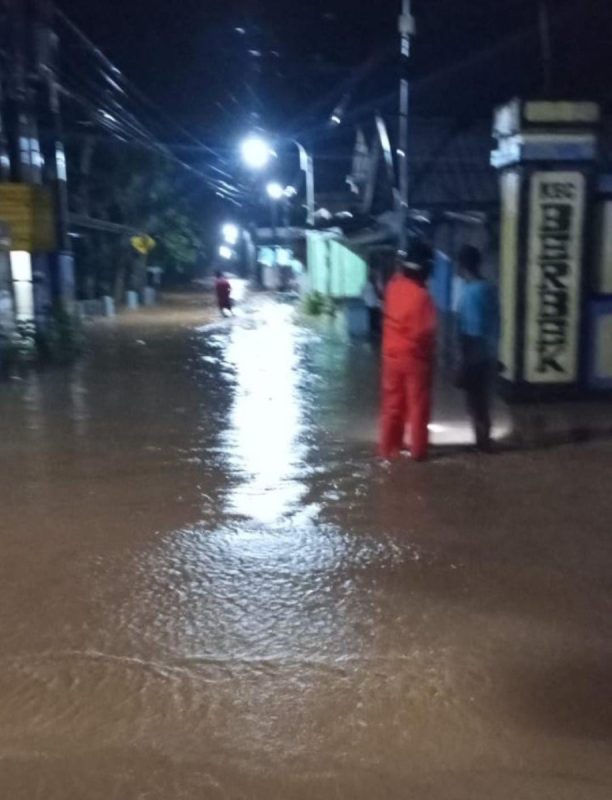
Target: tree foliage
{"points": [[145, 192]]}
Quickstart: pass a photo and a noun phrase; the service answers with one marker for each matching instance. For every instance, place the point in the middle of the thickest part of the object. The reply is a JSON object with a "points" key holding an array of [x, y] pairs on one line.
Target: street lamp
{"points": [[226, 252], [230, 233], [307, 168], [275, 190], [256, 152]]}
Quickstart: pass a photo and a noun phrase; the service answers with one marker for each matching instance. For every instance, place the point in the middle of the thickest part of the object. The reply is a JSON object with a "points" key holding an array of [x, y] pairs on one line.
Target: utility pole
{"points": [[406, 30], [274, 217], [62, 272], [545, 45], [5, 162], [310, 191], [307, 167], [55, 157], [23, 141]]}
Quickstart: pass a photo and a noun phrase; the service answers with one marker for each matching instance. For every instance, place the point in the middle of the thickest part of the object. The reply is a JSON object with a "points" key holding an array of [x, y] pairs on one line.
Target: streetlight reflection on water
{"points": [[266, 420]]}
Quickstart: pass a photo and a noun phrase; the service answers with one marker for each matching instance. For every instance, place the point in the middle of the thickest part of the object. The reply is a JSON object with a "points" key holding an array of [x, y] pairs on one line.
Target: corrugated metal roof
{"points": [[449, 167]]}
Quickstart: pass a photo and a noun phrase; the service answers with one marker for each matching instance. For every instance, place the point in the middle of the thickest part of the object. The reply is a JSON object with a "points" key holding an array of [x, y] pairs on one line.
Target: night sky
{"points": [[220, 68], [468, 55]]}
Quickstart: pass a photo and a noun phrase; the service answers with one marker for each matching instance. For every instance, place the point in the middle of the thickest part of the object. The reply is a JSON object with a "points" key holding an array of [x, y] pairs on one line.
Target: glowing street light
{"points": [[256, 152], [226, 252], [275, 190], [230, 233]]}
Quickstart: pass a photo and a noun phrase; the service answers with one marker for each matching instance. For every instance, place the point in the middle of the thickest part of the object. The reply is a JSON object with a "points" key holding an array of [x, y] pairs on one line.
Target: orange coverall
{"points": [[409, 334]]}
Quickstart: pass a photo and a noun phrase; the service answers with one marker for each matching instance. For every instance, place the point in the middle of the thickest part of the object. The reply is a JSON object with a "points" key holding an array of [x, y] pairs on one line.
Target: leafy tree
{"points": [[146, 193], [179, 247]]}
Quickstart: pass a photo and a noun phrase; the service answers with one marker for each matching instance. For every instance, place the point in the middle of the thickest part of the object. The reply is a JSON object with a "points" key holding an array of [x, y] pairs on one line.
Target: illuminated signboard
{"points": [[28, 212], [554, 269], [510, 207]]}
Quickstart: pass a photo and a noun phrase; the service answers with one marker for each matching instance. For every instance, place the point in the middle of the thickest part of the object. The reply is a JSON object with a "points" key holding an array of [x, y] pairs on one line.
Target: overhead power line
{"points": [[106, 96], [119, 81]]}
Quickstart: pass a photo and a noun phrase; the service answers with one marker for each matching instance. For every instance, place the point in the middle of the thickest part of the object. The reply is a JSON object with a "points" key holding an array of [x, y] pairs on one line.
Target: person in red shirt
{"points": [[223, 291], [409, 334]]}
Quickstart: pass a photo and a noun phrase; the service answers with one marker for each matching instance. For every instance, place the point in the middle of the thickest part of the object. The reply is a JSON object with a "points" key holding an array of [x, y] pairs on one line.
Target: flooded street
{"points": [[211, 589]]}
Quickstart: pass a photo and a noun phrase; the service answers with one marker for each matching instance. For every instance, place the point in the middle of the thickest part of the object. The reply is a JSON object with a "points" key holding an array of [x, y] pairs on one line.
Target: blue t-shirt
{"points": [[478, 314]]}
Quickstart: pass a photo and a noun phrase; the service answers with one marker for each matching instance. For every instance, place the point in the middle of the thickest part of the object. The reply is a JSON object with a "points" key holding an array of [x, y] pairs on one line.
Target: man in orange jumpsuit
{"points": [[409, 333]]}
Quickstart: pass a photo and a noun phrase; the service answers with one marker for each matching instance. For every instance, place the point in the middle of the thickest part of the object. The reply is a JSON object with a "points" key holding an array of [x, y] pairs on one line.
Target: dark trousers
{"points": [[375, 315], [477, 385], [476, 379]]}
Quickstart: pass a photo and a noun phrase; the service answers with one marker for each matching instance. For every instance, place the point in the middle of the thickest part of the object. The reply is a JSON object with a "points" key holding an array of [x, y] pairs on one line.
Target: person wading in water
{"points": [[223, 290], [409, 335]]}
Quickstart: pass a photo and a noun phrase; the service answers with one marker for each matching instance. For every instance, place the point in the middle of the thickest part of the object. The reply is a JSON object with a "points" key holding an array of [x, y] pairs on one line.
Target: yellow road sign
{"points": [[143, 244]]}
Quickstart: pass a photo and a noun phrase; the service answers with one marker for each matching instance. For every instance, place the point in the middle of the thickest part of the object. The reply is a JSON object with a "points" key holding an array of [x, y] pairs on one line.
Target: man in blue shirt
{"points": [[478, 325]]}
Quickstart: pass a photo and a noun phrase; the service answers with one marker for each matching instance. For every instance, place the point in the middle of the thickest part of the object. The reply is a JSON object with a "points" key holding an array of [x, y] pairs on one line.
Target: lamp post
{"points": [[257, 153], [307, 167], [230, 233], [276, 193]]}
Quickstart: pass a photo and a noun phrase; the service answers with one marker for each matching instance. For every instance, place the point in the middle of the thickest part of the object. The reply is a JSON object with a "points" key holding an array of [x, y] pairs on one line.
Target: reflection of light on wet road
{"points": [[239, 287], [461, 432], [266, 418], [210, 589]]}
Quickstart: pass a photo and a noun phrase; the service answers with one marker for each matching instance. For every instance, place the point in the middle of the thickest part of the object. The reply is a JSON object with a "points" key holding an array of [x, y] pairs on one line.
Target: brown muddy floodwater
{"points": [[210, 589]]}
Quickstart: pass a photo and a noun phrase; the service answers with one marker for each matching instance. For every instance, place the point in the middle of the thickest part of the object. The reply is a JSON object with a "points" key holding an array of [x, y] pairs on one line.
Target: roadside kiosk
{"points": [[555, 251]]}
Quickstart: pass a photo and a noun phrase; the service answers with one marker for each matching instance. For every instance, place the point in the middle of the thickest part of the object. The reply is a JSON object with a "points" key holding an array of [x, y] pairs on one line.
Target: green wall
{"points": [[334, 269]]}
